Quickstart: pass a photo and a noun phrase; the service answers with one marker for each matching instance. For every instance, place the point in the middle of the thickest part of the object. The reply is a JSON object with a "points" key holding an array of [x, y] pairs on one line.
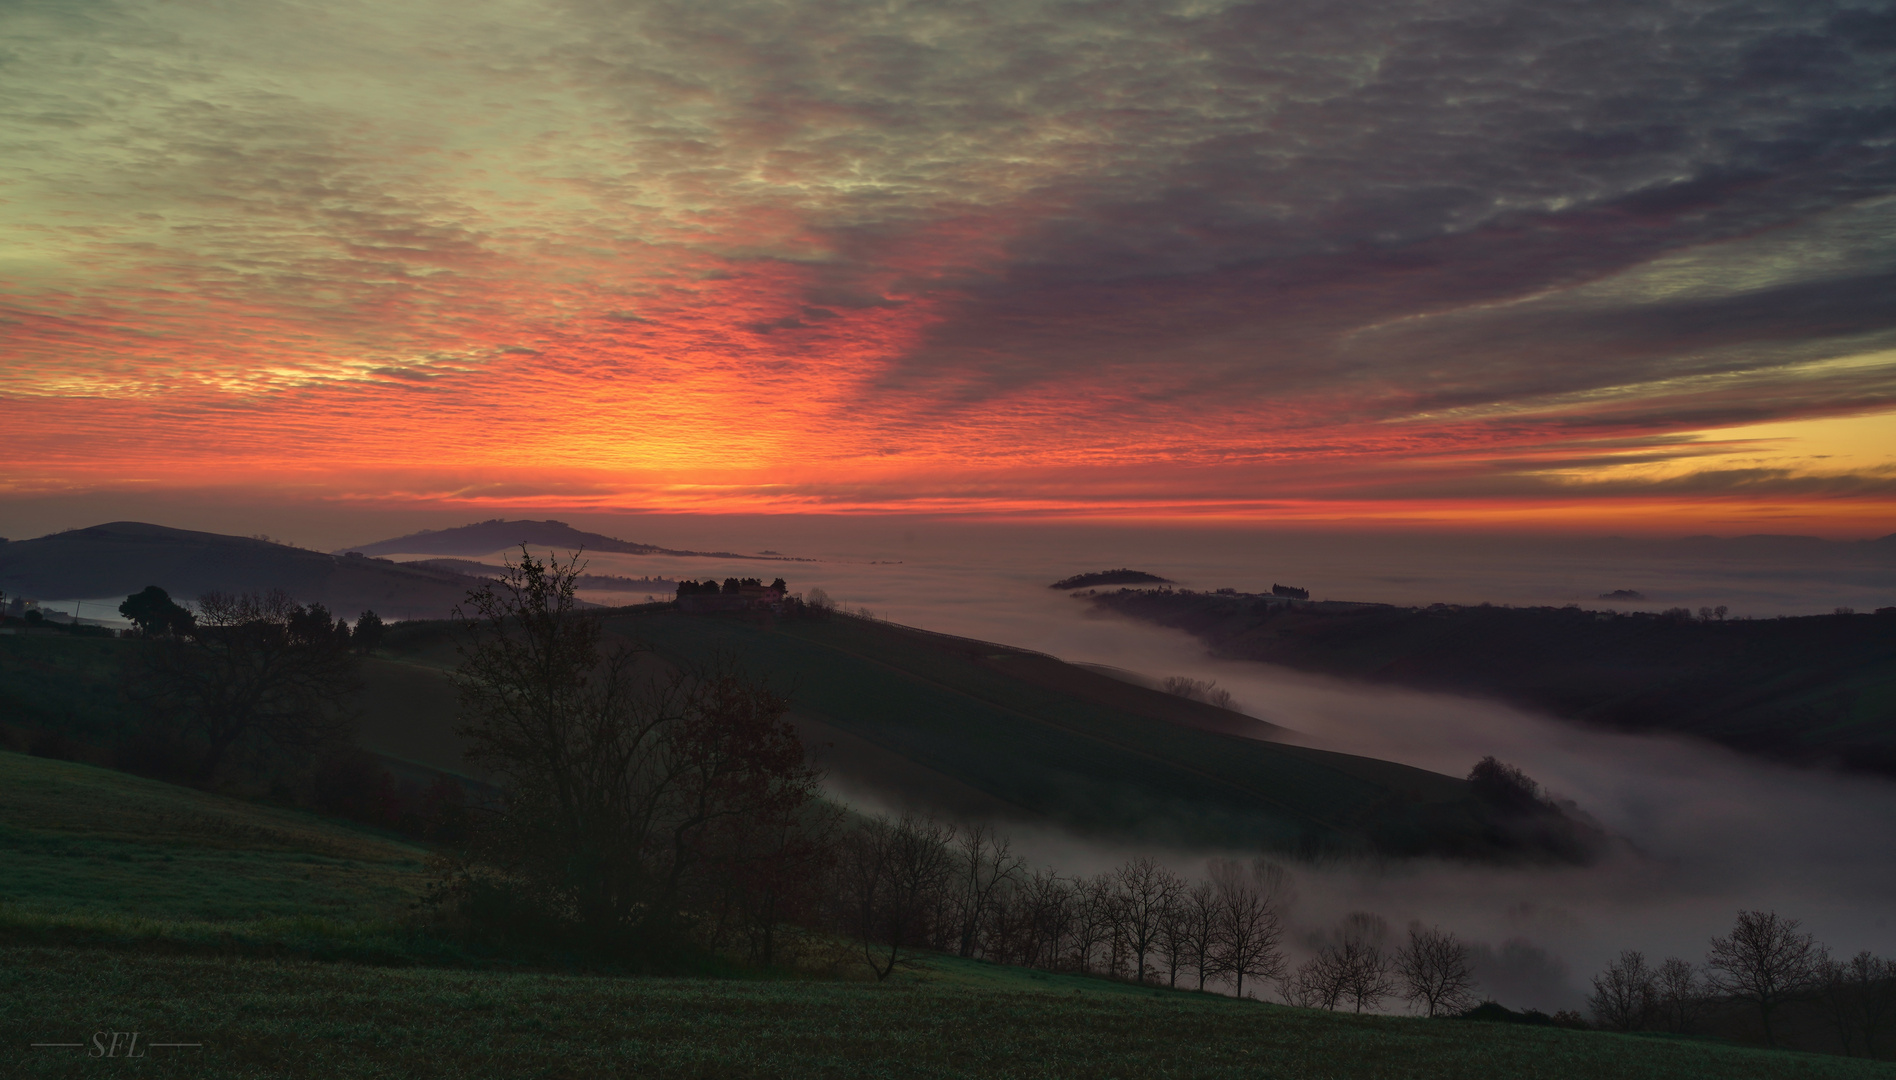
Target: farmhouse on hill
{"points": [[735, 595]]}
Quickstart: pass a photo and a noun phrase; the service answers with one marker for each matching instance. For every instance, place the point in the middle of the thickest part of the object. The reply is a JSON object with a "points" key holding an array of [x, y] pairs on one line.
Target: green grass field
{"points": [[282, 942], [65, 682], [300, 1019], [100, 858]]}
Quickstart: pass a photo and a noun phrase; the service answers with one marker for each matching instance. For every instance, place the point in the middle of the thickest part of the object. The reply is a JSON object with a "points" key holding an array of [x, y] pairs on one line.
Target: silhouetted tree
{"points": [[1679, 993], [1433, 967], [894, 875], [1093, 919], [1626, 994], [1348, 968], [1505, 787], [258, 671], [1860, 996], [369, 631], [1198, 930], [986, 865], [155, 613], [1250, 920], [1143, 893], [1368, 971], [1048, 901], [1765, 961], [631, 788]]}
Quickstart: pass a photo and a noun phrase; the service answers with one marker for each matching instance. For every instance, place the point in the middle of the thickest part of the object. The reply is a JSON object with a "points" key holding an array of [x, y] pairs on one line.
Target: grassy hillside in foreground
{"points": [[290, 1019], [132, 905], [92, 855], [1817, 689], [963, 724]]}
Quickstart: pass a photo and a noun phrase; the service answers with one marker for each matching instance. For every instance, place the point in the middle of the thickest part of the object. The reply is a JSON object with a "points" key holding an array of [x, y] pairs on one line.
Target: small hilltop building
{"points": [[735, 595]]}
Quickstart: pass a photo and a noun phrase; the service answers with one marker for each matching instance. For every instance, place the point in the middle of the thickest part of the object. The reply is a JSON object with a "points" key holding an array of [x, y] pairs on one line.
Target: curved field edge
{"points": [[292, 1019]]}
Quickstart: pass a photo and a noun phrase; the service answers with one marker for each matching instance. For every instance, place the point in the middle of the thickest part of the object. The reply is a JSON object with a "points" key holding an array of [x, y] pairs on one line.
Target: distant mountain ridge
{"points": [[486, 537], [601, 582], [1121, 576], [122, 557]]}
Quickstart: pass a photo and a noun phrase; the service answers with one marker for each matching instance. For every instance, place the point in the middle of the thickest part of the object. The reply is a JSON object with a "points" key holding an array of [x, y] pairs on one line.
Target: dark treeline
{"points": [[730, 587], [913, 884], [1810, 689], [247, 693], [1764, 981]]}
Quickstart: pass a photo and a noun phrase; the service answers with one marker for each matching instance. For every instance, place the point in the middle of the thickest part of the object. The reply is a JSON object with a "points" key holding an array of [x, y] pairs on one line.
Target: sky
{"points": [[1472, 263]]}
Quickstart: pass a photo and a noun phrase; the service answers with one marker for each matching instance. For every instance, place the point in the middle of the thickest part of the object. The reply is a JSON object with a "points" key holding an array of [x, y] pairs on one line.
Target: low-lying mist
{"points": [[1703, 831]]}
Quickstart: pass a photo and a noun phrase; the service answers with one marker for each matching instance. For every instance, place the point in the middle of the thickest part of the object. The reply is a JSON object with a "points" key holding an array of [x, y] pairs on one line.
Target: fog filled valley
{"points": [[1703, 832], [1676, 836]]}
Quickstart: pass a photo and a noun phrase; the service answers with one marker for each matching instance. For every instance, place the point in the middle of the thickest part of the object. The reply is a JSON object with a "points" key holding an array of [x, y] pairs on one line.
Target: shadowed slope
{"points": [[1058, 743], [122, 557]]}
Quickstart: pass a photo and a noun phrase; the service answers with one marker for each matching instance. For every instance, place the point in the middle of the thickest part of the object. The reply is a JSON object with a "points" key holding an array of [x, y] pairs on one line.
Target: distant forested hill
{"points": [[1817, 689], [1110, 577], [486, 537], [600, 582], [122, 557], [985, 729]]}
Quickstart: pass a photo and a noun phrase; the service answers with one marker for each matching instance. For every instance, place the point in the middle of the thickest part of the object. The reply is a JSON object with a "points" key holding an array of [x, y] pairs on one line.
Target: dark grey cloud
{"points": [[1219, 193]]}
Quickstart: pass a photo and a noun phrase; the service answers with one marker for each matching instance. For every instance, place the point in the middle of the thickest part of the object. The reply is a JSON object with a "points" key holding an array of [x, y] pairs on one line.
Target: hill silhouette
{"points": [[1816, 689], [601, 582], [975, 729], [1110, 577], [122, 557], [486, 537]]}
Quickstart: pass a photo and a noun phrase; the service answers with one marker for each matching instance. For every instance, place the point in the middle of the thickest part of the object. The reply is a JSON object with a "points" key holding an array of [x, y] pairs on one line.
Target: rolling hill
{"points": [[968, 728], [122, 557], [1817, 689], [979, 729], [487, 537]]}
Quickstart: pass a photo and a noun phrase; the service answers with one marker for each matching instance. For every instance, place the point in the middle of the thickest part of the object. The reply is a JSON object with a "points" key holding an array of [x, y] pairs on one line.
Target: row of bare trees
{"points": [[914, 883], [1765, 963]]}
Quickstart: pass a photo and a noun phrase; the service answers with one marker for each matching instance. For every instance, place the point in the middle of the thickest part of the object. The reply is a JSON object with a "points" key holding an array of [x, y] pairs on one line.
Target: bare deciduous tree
{"points": [[1198, 924], [1433, 967], [1250, 925], [1369, 975], [1350, 967], [1143, 893], [1860, 996], [1048, 901], [1205, 690], [1679, 992], [1093, 919], [1765, 961], [1626, 994], [987, 866], [1317, 983], [894, 874]]}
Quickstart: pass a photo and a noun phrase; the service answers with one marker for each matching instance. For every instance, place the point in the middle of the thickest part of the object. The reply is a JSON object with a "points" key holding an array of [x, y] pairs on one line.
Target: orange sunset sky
{"points": [[1570, 266]]}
